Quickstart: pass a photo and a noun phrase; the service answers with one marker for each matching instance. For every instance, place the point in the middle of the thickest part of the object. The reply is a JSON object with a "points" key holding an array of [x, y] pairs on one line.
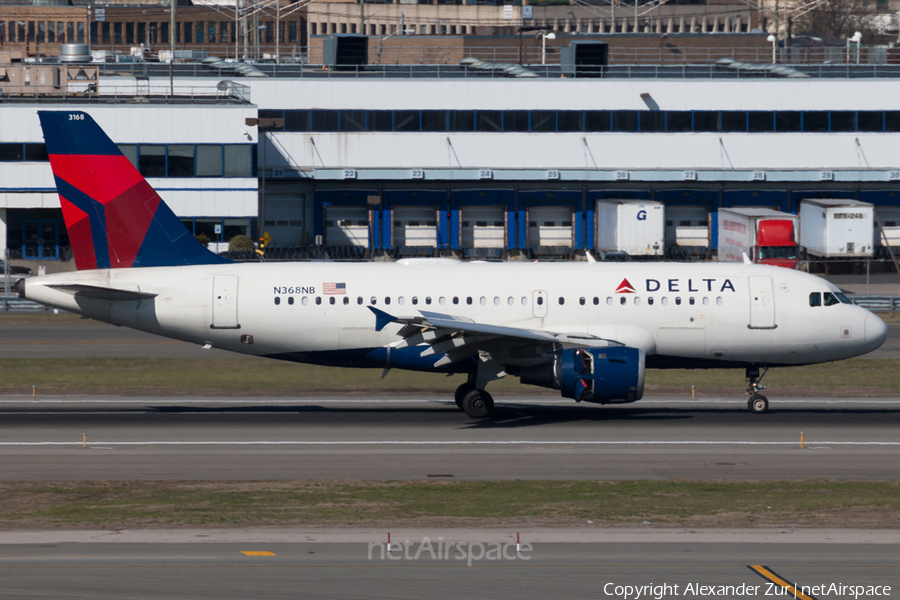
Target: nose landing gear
{"points": [[758, 404]]}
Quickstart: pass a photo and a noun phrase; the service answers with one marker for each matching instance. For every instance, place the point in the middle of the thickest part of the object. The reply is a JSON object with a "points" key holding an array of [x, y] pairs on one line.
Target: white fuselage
{"points": [[697, 314]]}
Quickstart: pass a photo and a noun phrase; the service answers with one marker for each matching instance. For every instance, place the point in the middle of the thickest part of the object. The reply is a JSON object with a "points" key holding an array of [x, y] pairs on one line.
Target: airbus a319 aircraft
{"points": [[588, 330]]}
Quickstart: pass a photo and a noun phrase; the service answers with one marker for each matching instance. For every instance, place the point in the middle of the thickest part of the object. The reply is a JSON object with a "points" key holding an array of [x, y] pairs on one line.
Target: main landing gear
{"points": [[758, 404], [478, 404]]}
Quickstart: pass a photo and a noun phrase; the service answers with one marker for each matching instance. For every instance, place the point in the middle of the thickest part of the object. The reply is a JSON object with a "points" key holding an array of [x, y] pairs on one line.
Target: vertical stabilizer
{"points": [[114, 218]]}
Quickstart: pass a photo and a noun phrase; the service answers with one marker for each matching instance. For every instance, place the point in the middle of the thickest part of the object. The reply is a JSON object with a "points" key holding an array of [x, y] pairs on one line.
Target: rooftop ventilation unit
{"points": [[75, 53]]}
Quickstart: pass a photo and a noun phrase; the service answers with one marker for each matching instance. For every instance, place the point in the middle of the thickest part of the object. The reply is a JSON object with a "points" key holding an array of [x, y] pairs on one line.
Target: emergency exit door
{"points": [[762, 303], [224, 302]]}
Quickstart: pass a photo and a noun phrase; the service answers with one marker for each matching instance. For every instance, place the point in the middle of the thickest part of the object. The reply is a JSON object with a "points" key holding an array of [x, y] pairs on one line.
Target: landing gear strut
{"points": [[758, 404]]}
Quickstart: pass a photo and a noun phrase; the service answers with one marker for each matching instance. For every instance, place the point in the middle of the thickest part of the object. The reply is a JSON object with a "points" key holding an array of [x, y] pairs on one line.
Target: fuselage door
{"points": [[224, 302], [762, 303], [539, 303]]}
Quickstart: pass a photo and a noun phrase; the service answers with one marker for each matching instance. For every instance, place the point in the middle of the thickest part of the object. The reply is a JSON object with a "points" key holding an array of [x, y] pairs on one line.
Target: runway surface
{"points": [[419, 437], [345, 570], [92, 339]]}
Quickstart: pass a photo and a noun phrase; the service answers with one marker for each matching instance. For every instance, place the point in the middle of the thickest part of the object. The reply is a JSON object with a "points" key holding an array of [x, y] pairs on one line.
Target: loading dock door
{"points": [[415, 226], [687, 226], [347, 226], [762, 303], [483, 226], [551, 226], [224, 302]]}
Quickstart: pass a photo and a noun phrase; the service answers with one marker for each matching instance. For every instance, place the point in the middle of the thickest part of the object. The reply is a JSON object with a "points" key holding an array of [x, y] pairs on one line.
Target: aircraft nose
{"points": [[876, 331]]}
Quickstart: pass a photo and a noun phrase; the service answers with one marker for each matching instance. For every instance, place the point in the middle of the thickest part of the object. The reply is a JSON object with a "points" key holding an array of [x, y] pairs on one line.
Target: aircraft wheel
{"points": [[478, 404], [758, 404], [461, 392]]}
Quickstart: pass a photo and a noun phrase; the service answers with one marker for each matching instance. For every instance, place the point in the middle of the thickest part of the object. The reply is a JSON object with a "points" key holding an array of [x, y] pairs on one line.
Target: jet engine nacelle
{"points": [[605, 375]]}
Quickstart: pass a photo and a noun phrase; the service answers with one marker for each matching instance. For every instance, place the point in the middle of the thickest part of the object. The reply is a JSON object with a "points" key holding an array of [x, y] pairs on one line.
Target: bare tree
{"points": [[840, 19]]}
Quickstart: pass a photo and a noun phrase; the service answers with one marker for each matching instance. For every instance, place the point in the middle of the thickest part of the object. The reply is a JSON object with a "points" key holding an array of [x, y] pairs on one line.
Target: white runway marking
{"points": [[453, 443]]}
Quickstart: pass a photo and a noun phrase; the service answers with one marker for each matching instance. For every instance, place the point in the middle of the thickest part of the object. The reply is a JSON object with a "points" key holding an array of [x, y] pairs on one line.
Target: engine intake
{"points": [[604, 375]]}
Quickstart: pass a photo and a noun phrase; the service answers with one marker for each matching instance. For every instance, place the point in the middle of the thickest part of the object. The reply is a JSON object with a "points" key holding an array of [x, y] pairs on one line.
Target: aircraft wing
{"points": [[460, 337]]}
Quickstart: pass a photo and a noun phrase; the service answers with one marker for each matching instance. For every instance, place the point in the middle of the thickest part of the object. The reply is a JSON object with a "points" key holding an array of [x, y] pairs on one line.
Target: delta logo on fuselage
{"points": [[678, 285]]}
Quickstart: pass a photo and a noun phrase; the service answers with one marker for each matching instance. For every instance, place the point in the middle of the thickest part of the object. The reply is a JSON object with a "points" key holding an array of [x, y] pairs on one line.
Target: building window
{"points": [[209, 160], [152, 160], [129, 33], [180, 161]]}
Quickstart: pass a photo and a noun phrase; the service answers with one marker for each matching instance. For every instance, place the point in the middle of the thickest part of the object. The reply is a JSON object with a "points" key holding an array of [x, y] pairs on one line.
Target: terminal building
{"points": [[461, 165]]}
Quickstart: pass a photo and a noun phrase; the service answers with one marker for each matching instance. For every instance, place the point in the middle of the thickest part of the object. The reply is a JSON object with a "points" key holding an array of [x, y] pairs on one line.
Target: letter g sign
{"points": [[642, 215]]}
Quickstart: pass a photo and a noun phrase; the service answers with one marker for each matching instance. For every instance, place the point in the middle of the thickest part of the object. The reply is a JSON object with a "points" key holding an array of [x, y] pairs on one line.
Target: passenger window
{"points": [[496, 301], [400, 300], [359, 300], [510, 300], [442, 301], [596, 300], [719, 301], [455, 300], [304, 301], [562, 300], [332, 300], [468, 299], [830, 300], [428, 300], [291, 300], [815, 299], [277, 300], [346, 301], [415, 300], [678, 301], [623, 300], [706, 302], [691, 301], [524, 301], [581, 301], [387, 300], [637, 301], [374, 301], [540, 301], [318, 300], [483, 300], [665, 301], [650, 300], [609, 301]]}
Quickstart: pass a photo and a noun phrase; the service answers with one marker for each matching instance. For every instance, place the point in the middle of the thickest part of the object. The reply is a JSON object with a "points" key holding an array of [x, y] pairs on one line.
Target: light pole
{"points": [[263, 125], [856, 39], [774, 42], [544, 38]]}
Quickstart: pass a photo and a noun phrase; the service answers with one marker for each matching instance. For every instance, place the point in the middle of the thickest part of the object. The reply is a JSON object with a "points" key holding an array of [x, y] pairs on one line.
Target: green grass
{"points": [[104, 504], [258, 377]]}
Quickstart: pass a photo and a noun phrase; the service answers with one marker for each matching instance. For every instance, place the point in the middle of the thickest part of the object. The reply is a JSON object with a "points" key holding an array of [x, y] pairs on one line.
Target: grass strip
{"points": [[460, 503], [255, 377]]}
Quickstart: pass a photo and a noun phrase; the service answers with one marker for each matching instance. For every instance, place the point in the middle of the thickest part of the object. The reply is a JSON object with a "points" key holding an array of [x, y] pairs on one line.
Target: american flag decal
{"points": [[332, 289]]}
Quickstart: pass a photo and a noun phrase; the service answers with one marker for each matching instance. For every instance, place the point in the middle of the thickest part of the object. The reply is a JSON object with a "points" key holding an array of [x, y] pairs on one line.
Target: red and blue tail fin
{"points": [[114, 218]]}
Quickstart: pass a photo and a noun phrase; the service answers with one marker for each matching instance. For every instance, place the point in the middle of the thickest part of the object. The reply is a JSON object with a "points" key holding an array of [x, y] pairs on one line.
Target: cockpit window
{"points": [[815, 299], [830, 300], [844, 299]]}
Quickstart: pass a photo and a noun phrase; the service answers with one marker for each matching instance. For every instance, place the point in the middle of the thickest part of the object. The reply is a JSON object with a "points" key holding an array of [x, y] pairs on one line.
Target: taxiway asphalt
{"points": [[427, 437], [308, 569]]}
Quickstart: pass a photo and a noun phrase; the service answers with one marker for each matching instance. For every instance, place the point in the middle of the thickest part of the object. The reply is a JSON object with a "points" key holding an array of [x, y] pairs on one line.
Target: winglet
{"points": [[589, 257], [747, 260], [382, 319]]}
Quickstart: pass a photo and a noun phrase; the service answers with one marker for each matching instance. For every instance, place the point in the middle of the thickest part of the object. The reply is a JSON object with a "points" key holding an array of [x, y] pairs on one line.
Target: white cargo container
{"points": [[837, 227], [633, 226]]}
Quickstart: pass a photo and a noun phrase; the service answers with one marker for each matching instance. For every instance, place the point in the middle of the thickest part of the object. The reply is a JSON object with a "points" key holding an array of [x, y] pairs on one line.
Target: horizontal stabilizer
{"points": [[101, 293]]}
